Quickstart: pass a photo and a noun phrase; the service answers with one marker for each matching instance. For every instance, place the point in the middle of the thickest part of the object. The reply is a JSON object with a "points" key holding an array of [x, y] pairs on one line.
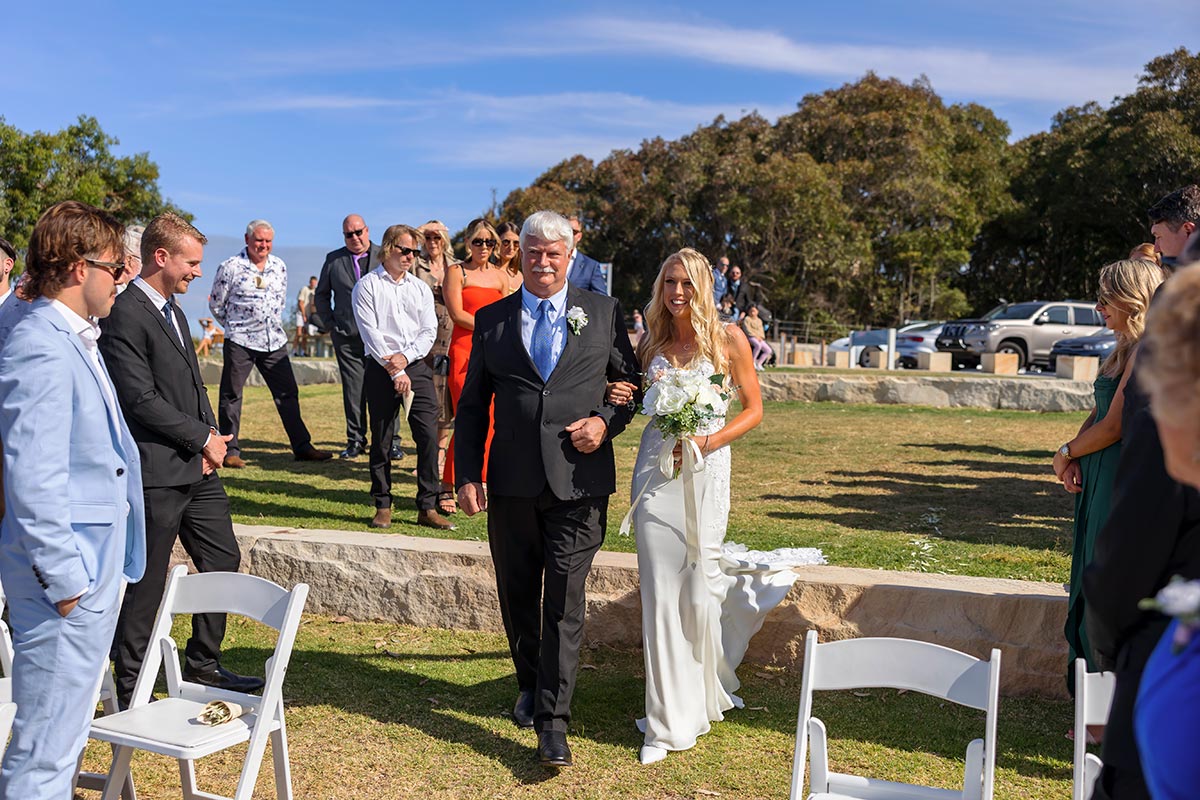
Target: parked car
{"points": [[1029, 330], [1098, 344], [874, 339], [914, 341], [951, 340]]}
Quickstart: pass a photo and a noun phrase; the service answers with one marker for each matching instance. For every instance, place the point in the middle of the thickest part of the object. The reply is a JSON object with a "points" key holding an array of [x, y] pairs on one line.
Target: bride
{"points": [[700, 604]]}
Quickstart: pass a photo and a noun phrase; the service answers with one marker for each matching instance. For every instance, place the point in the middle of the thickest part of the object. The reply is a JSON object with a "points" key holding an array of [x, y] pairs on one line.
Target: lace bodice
{"points": [[704, 369]]}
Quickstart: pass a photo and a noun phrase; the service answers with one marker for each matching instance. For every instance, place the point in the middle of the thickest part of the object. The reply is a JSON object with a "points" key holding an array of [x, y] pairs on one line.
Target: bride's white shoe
{"points": [[651, 754]]}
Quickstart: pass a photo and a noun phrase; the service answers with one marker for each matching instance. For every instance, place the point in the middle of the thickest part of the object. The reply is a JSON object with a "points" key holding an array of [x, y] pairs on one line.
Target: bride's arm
{"points": [[741, 368]]}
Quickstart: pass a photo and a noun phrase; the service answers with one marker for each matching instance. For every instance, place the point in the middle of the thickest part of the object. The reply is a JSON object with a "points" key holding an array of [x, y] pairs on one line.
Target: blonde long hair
{"points": [[711, 336], [1130, 285]]}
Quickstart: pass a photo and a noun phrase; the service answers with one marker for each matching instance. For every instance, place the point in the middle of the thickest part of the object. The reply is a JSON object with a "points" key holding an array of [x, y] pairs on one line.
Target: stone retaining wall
{"points": [[450, 584]]}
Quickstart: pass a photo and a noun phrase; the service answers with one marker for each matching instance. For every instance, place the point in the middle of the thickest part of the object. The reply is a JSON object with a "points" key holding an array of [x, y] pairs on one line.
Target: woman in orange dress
{"points": [[468, 287]]}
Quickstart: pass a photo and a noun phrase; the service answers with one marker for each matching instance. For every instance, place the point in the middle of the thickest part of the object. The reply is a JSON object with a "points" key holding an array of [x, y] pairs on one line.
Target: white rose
{"points": [[1180, 598], [671, 400], [709, 396], [650, 398]]}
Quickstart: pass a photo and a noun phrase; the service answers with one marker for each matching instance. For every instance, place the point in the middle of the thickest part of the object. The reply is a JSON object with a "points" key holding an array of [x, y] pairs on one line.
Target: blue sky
{"points": [[303, 112]]}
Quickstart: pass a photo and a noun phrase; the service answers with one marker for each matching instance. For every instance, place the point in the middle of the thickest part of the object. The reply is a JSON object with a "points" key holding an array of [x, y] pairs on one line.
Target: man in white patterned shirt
{"points": [[249, 294], [396, 319]]}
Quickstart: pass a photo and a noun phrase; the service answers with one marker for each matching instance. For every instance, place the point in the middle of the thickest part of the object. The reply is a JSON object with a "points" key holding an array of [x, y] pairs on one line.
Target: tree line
{"points": [[877, 202]]}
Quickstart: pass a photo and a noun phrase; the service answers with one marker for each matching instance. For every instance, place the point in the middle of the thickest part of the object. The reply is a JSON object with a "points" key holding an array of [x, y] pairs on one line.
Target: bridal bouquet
{"points": [[682, 400]]}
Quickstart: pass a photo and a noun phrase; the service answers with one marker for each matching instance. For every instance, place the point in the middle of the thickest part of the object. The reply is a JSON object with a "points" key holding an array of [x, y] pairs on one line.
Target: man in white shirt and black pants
{"points": [[396, 319]]}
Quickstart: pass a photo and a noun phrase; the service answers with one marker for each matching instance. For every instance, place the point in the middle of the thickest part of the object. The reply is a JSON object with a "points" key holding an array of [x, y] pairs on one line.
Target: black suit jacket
{"points": [[1152, 533], [530, 448], [158, 385], [335, 307]]}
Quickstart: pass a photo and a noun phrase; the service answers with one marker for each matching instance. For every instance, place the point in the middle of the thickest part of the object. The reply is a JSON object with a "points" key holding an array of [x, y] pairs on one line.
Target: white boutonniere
{"points": [[576, 319]]}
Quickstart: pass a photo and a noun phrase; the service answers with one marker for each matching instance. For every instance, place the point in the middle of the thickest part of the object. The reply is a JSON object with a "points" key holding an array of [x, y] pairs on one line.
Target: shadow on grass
{"points": [[982, 449]]}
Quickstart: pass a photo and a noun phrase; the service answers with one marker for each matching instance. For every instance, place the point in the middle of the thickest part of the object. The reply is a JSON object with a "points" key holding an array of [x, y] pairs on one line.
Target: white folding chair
{"points": [[1093, 697], [169, 727], [873, 663]]}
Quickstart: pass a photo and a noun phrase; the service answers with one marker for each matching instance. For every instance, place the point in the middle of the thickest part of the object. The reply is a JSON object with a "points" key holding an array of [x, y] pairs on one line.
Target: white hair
{"points": [[548, 226], [133, 240], [255, 224]]}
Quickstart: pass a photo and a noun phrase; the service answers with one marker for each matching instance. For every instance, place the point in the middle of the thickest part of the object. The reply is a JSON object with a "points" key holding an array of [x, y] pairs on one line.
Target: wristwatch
{"points": [[1065, 451]]}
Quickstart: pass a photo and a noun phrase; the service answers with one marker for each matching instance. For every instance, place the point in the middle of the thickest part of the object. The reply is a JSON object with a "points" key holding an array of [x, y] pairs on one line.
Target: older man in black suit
{"points": [[1152, 534], [544, 355], [146, 344], [343, 269]]}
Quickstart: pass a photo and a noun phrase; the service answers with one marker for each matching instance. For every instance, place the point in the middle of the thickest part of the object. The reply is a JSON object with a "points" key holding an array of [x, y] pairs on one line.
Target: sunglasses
{"points": [[433, 237], [407, 251], [510, 242], [111, 267], [483, 242], [349, 234]]}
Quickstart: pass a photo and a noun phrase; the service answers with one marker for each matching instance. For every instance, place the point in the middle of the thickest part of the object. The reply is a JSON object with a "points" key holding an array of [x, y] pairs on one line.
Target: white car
{"points": [[872, 340]]}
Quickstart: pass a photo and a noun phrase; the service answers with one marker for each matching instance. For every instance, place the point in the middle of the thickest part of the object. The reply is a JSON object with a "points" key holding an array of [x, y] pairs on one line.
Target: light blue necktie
{"points": [[541, 346]]}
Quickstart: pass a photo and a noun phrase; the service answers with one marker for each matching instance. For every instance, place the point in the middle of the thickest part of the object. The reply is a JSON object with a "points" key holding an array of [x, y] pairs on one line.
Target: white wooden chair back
{"points": [[874, 663], [1093, 698], [145, 725]]}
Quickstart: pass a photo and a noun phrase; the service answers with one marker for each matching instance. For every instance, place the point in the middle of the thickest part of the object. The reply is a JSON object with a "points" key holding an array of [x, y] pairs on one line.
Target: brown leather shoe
{"points": [[313, 454], [233, 462], [383, 518], [430, 518]]}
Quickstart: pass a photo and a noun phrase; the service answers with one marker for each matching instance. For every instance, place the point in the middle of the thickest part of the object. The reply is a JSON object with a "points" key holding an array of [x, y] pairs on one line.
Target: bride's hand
{"points": [[619, 393], [677, 453]]}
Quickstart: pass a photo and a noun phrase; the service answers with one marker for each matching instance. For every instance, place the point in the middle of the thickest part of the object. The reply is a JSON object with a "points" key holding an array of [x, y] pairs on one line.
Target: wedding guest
{"points": [[720, 282], [68, 458], [1166, 722], [470, 285], [8, 260], [395, 316], [133, 254], [639, 327], [1152, 532], [583, 270], [305, 313], [432, 265], [1087, 464], [753, 327], [335, 314], [249, 293], [1146, 251], [508, 256], [207, 331]]}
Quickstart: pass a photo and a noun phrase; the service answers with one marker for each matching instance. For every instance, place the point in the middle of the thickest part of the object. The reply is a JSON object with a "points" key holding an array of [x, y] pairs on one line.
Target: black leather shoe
{"points": [[553, 750], [222, 678], [313, 454], [351, 451], [523, 710], [397, 453]]}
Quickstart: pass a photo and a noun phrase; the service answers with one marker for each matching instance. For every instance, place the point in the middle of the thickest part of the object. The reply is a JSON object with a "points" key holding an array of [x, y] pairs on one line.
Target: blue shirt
{"points": [[558, 319]]}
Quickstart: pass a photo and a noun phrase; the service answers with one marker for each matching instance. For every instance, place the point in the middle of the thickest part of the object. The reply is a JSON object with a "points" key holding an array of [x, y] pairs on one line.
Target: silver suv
{"points": [[1029, 330]]}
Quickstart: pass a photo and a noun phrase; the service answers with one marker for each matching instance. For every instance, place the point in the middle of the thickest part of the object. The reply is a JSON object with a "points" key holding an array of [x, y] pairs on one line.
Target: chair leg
{"points": [[118, 772], [283, 768], [254, 757], [187, 778]]}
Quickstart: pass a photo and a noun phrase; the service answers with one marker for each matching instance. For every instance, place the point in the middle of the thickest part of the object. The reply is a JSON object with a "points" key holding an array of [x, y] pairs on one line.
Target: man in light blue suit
{"points": [[75, 523], [584, 271]]}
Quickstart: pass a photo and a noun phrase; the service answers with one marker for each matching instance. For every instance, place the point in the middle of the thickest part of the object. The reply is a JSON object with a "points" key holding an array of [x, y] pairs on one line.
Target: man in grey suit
{"points": [[544, 355], [583, 270], [335, 313]]}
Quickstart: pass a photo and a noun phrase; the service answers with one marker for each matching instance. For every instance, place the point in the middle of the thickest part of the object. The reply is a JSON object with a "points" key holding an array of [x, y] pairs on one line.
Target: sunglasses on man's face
{"points": [[111, 267], [358, 232], [483, 243], [408, 251]]}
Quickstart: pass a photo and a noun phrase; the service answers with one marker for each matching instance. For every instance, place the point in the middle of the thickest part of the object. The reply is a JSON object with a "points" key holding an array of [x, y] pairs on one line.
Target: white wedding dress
{"points": [[700, 606]]}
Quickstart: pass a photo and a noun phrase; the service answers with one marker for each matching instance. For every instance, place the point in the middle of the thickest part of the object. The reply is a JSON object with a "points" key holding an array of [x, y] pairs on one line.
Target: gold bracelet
{"points": [[706, 443]]}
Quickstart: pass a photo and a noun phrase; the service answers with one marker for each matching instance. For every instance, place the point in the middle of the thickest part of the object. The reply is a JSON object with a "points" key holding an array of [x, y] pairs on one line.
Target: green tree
{"points": [[77, 163]]}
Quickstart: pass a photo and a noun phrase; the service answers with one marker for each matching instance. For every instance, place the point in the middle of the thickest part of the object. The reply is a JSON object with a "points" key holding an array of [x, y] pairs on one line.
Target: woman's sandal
{"points": [[446, 503]]}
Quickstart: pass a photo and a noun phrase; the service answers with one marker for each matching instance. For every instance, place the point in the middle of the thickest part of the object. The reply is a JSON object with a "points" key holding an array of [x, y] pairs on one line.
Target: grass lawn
{"points": [[961, 491], [381, 711]]}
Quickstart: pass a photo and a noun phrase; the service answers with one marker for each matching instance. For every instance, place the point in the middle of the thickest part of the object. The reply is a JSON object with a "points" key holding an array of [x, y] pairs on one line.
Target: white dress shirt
{"points": [[158, 301], [558, 320], [394, 316]]}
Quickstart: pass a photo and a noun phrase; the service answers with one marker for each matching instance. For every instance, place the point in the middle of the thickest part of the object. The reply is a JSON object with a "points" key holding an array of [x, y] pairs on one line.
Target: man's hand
{"points": [[587, 434], [1072, 478], [214, 450], [402, 383], [472, 498], [619, 393], [395, 363], [66, 606]]}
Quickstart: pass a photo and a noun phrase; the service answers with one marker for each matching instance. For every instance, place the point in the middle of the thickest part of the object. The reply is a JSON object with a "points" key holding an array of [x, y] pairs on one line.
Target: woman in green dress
{"points": [[1087, 464]]}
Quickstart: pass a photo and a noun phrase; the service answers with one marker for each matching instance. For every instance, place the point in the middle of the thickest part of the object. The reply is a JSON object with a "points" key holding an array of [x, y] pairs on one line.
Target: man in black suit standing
{"points": [[1152, 534], [343, 269], [544, 355], [145, 342]]}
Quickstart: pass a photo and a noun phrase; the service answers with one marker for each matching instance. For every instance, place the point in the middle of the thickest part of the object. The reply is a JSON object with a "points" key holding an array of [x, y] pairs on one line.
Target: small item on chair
{"points": [[218, 712]]}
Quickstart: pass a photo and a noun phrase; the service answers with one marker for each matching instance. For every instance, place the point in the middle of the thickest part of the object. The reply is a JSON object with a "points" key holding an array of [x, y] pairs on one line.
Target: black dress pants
{"points": [[542, 548], [350, 360], [1121, 777], [276, 369], [384, 406], [199, 514]]}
